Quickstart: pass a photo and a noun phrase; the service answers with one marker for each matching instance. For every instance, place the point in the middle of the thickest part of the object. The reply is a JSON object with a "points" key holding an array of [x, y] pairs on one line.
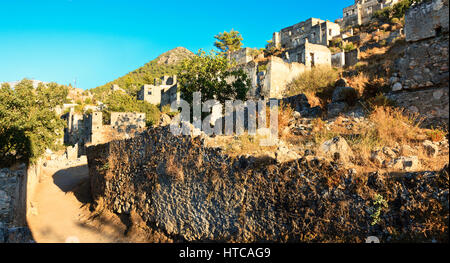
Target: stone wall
{"points": [[351, 57], [278, 74], [338, 60], [17, 186], [126, 121], [242, 56], [189, 192], [427, 20], [432, 104]]}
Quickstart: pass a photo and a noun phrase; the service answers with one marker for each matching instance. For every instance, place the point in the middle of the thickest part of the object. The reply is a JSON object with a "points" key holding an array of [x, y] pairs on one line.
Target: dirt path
{"points": [[61, 209]]}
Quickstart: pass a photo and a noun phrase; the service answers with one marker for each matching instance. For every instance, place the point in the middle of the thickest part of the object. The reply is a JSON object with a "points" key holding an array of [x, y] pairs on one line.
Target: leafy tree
{"points": [[228, 41], [28, 121], [214, 76]]}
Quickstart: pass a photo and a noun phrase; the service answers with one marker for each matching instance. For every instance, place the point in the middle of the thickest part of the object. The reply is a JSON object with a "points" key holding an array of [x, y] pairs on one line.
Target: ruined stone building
{"points": [[162, 92], [313, 31], [85, 129], [420, 81], [361, 12], [304, 45]]}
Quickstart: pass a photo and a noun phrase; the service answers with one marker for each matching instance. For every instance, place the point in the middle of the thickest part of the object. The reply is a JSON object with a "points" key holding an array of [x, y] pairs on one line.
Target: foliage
{"points": [[228, 41], [349, 47], [28, 121], [315, 80], [121, 102], [375, 211], [214, 76], [396, 11]]}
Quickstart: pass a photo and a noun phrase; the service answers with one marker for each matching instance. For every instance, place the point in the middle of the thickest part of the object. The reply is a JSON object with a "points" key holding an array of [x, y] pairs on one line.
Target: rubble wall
{"points": [[193, 193]]}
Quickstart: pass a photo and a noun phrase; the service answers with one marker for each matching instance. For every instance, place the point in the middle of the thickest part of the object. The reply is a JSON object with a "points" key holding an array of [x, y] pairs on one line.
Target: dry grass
{"points": [[359, 82], [373, 52]]}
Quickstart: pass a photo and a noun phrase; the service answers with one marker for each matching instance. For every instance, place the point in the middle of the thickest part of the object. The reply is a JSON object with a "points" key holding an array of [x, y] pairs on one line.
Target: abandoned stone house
{"points": [[313, 31], [162, 92], [361, 12], [305, 45], [85, 129]]}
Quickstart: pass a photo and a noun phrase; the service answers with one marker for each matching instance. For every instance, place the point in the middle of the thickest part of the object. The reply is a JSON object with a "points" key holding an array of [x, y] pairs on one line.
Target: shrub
{"points": [[349, 47], [315, 80]]}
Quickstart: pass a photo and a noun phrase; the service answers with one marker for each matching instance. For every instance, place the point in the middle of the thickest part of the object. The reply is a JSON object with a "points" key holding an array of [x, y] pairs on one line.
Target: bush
{"points": [[315, 80], [349, 47]]}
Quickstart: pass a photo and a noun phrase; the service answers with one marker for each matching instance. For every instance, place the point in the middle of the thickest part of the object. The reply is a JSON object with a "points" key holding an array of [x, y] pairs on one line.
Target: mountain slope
{"points": [[165, 64]]}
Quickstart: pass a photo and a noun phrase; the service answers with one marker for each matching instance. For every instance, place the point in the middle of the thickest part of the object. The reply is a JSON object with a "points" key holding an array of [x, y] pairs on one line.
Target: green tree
{"points": [[28, 120], [228, 41], [214, 76]]}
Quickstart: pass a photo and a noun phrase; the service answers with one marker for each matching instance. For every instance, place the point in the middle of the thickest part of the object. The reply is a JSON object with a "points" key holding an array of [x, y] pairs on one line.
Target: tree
{"points": [[228, 41], [214, 76], [28, 120]]}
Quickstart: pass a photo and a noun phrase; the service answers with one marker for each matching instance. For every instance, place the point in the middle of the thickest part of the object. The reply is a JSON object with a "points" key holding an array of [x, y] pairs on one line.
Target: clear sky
{"points": [[96, 41]]}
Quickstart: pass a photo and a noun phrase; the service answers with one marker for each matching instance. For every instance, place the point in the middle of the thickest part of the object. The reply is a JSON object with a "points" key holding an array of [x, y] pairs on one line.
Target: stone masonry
{"points": [[163, 93]]}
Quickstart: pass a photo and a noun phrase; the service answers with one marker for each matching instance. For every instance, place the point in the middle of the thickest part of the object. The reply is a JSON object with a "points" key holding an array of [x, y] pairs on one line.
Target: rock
{"points": [[389, 152], [397, 86], [164, 120], [336, 149], [405, 163], [341, 83], [345, 94], [393, 80], [377, 158], [431, 148], [406, 150], [284, 154], [313, 112], [336, 108]]}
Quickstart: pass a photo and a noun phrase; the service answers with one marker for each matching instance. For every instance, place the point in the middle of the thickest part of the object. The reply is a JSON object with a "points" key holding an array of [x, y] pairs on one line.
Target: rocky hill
{"points": [[165, 64]]}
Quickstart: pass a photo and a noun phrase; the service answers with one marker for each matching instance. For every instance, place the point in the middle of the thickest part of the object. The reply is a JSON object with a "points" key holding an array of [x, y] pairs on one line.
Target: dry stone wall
{"points": [[190, 192]]}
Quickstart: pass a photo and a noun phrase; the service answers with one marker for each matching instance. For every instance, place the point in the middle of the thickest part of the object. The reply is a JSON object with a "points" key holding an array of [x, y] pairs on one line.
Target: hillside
{"points": [[165, 64]]}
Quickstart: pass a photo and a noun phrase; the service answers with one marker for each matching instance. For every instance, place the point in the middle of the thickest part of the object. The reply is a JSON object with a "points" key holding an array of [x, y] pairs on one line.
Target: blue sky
{"points": [[96, 41]]}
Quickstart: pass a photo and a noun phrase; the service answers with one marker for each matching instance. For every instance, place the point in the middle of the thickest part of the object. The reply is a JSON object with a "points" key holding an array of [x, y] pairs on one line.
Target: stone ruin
{"points": [[88, 129], [420, 81], [162, 92], [362, 11]]}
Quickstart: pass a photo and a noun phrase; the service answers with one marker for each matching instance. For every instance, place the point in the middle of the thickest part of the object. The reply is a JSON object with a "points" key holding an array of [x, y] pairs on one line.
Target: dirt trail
{"points": [[61, 213]]}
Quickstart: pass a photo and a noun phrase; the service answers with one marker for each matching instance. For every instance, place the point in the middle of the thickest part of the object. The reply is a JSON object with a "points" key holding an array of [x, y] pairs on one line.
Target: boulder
{"points": [[397, 86], [313, 112], [345, 94], [284, 154], [336, 108], [410, 163], [336, 149]]}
